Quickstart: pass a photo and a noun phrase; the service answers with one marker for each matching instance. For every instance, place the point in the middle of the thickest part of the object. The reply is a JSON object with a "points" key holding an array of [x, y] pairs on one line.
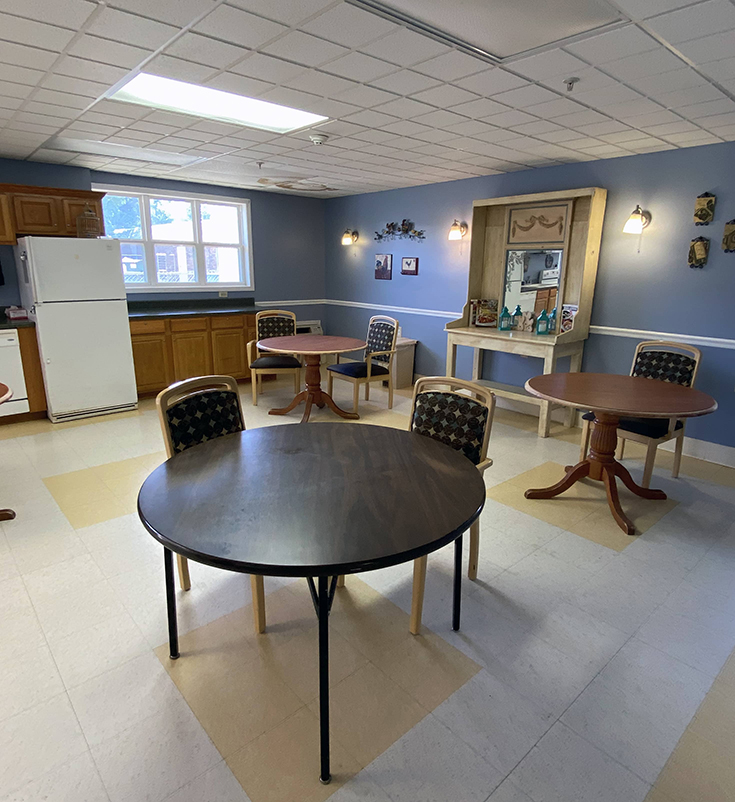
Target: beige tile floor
{"points": [[581, 671]]}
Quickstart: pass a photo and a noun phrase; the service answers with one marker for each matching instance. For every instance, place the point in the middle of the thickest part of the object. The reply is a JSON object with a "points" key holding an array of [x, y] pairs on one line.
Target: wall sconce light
{"points": [[637, 221], [349, 237], [457, 230]]}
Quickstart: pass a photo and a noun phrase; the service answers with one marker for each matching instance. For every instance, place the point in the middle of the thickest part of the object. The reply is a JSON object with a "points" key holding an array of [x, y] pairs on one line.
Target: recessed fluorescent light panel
{"points": [[117, 151], [213, 104]]}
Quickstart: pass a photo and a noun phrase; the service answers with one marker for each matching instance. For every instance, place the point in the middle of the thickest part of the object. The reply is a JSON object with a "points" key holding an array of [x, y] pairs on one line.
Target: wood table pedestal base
{"points": [[313, 394], [601, 465], [7, 515]]}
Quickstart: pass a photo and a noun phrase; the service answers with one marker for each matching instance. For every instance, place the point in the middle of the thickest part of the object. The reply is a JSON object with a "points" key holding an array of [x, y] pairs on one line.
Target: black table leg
{"points": [[173, 629], [323, 610], [457, 603]]}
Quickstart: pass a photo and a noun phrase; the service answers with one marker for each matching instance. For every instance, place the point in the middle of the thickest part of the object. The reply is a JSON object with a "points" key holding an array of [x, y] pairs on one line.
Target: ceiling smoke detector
{"points": [[318, 139], [570, 82]]}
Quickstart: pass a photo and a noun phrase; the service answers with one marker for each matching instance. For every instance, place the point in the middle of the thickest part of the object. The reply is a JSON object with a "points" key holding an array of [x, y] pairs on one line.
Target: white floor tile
{"points": [[566, 768], [216, 785], [28, 678], [359, 789], [75, 781], [507, 792], [579, 552], [46, 584]]}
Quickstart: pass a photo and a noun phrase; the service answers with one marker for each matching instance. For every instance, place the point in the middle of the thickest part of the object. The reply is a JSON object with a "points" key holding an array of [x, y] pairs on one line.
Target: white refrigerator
{"points": [[74, 291]]}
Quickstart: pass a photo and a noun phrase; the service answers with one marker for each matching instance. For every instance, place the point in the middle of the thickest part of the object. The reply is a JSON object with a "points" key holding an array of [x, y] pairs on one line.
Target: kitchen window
{"points": [[173, 243]]}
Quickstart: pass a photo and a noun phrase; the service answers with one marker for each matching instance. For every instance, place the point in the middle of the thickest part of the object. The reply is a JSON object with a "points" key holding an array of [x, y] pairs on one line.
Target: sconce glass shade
{"points": [[457, 230], [349, 237], [637, 221]]}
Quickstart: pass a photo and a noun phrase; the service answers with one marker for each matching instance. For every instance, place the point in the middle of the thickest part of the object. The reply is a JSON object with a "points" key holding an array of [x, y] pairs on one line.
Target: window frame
{"points": [[152, 285]]}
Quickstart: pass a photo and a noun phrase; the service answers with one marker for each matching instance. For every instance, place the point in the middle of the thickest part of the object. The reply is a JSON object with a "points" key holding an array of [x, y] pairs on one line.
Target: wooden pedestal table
{"points": [[5, 395], [312, 347], [315, 502], [611, 397]]}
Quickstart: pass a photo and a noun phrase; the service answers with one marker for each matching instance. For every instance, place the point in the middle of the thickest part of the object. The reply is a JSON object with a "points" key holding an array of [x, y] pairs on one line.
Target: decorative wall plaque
{"points": [[704, 209], [698, 252], [728, 237], [538, 224]]}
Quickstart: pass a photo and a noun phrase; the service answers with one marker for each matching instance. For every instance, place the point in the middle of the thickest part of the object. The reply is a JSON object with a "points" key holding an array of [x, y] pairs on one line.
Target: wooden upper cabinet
{"points": [[36, 214], [71, 208], [7, 229]]}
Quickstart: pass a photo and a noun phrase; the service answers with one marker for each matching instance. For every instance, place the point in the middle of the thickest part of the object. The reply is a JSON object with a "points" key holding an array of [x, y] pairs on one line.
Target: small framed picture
{"points": [[410, 266], [384, 266]]}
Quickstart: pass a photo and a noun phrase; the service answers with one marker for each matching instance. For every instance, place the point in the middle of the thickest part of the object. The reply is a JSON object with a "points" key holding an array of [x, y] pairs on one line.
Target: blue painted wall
{"points": [[652, 290]]}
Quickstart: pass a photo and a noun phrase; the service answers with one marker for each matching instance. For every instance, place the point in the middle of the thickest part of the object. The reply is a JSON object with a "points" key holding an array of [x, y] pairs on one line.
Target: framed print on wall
{"points": [[384, 266], [410, 266]]}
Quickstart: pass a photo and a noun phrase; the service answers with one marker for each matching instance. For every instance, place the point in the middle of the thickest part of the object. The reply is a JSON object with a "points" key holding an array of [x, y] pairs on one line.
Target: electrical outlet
{"points": [[223, 293]]}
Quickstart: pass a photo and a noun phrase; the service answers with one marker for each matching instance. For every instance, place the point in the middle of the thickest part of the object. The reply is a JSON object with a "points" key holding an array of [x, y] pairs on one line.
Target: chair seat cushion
{"points": [[358, 370], [646, 427], [276, 361]]}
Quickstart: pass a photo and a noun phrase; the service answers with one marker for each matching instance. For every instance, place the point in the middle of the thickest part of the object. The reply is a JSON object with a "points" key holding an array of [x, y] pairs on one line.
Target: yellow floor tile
{"points": [[283, 765], [89, 514], [697, 770], [726, 677], [369, 712], [715, 720], [654, 795], [724, 476], [77, 488]]}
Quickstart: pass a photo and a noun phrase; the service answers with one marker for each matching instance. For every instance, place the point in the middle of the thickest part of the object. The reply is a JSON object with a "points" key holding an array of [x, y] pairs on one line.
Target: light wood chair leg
{"points": [[258, 590], [254, 383], [260, 383], [184, 578], [341, 581], [296, 381], [367, 391], [390, 390], [330, 382], [586, 426], [474, 550], [677, 455], [417, 599], [621, 447], [648, 469], [355, 397]]}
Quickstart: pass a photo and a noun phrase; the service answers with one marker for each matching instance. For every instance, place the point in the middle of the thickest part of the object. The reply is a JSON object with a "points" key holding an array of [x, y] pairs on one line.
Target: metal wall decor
{"points": [[698, 252], [704, 209], [728, 237], [403, 230]]}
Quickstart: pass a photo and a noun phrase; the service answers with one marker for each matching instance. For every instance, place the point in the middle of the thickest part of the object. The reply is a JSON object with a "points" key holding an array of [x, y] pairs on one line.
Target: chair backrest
{"points": [[676, 363], [275, 323], [199, 409], [381, 336], [455, 412]]}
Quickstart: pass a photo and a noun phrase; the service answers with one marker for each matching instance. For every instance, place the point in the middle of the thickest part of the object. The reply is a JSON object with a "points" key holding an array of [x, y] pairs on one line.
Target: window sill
{"points": [[159, 290]]}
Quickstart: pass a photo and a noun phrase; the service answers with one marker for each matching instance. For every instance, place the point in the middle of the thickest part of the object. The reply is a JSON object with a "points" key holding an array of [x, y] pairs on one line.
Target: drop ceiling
{"points": [[409, 101]]}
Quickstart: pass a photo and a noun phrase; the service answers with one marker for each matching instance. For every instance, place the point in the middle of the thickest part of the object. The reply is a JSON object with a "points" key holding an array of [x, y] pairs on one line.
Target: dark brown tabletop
{"points": [[622, 395], [311, 500], [311, 344]]}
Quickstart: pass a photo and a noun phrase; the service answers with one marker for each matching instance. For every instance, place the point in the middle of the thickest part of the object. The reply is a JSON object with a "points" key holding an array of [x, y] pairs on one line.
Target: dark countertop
{"points": [[13, 324], [220, 306]]}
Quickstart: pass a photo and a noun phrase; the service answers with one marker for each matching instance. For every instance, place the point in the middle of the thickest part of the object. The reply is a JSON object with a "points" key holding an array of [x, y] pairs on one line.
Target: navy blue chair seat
{"points": [[276, 361], [358, 370], [646, 427]]}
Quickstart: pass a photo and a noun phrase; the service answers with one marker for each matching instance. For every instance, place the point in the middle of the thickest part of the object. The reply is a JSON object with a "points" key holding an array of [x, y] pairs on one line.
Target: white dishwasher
{"points": [[11, 373]]}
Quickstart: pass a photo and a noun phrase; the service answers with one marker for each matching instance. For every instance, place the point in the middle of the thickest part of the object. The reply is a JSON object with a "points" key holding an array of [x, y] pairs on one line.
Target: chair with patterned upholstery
{"points": [[194, 411], [459, 414], [378, 362], [272, 323], [676, 363]]}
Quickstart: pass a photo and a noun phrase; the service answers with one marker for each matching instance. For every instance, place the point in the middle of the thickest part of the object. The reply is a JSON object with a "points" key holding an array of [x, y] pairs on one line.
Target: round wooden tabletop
{"points": [[311, 344], [316, 500], [5, 393], [622, 395]]}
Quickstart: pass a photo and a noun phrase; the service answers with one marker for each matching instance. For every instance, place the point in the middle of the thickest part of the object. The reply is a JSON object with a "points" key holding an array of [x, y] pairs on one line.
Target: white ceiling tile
{"points": [[451, 66], [699, 20], [605, 127], [434, 135], [405, 128], [175, 12], [496, 135], [655, 118], [586, 117], [332, 108], [718, 120], [644, 64], [537, 127], [304, 48], [555, 108], [358, 67], [709, 48], [285, 11], [321, 83], [439, 118], [405, 108], [404, 48], [445, 96], [349, 26], [205, 50], [621, 137], [237, 26], [623, 42], [25, 56], [525, 96], [75, 86], [405, 82], [366, 96], [673, 100], [42, 119], [15, 90], [469, 128], [491, 82], [632, 108], [239, 84], [64, 13], [708, 109], [692, 138], [564, 135], [547, 65], [617, 93], [481, 107], [52, 110], [31, 32], [32, 128], [680, 127], [108, 52], [117, 109], [179, 69], [266, 68], [589, 79], [723, 70], [371, 118], [656, 85], [583, 142], [89, 70], [508, 118], [130, 28], [20, 75]]}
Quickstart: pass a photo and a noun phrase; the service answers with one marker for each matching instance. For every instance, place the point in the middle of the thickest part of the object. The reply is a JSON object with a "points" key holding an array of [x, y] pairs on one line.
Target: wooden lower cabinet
{"points": [[171, 349]]}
